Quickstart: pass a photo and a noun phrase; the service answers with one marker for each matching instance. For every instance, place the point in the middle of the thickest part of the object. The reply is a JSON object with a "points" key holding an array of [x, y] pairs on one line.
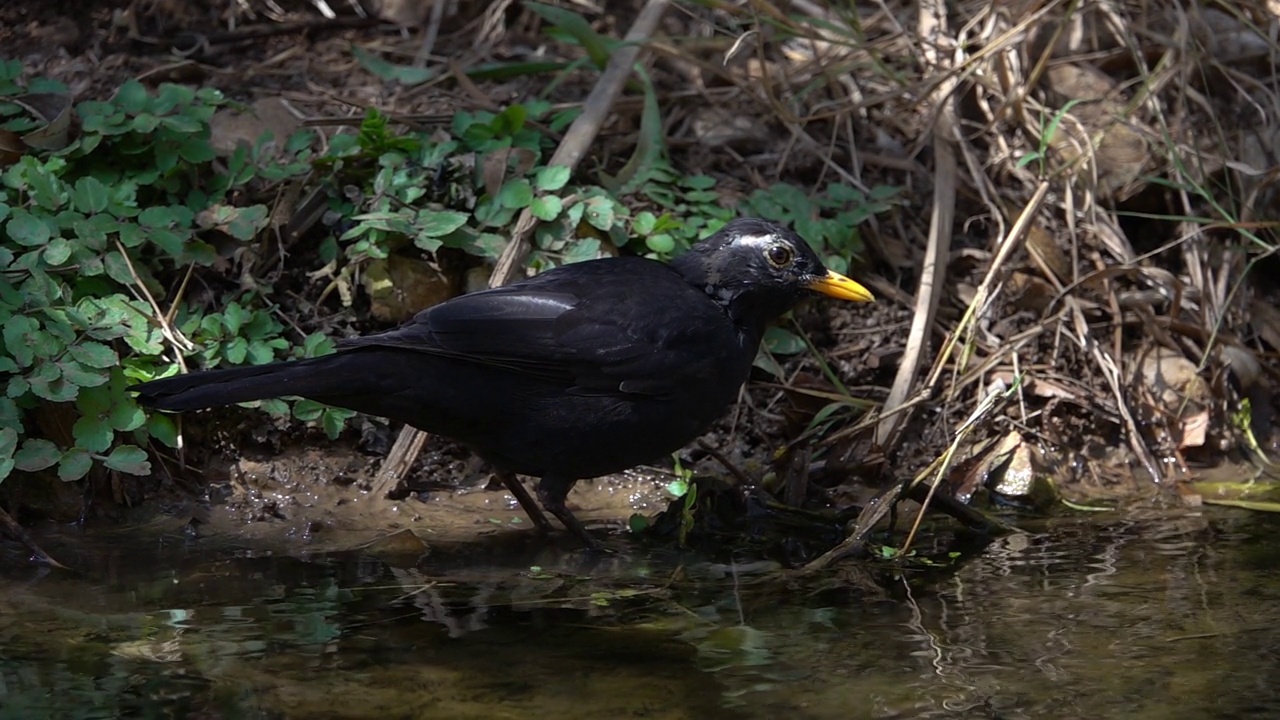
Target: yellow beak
{"points": [[839, 286]]}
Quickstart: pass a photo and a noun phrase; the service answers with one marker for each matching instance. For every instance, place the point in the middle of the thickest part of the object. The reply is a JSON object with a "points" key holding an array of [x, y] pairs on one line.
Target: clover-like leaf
{"points": [[94, 354], [57, 251], [27, 229], [546, 208], [74, 465], [129, 459], [437, 223], [600, 213], [307, 410], [81, 376], [551, 178], [93, 433], [163, 428], [781, 341], [515, 194], [36, 454]]}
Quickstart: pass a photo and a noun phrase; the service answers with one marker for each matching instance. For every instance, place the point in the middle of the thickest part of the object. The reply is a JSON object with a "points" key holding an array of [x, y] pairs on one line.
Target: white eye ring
{"points": [[779, 256]]}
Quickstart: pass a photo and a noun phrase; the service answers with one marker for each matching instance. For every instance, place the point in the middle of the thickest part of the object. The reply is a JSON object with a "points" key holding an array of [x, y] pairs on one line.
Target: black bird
{"points": [[584, 370]]}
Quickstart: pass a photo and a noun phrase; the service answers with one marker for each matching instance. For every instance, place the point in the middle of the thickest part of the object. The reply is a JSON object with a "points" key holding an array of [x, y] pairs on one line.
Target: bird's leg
{"points": [[552, 492], [522, 496]]}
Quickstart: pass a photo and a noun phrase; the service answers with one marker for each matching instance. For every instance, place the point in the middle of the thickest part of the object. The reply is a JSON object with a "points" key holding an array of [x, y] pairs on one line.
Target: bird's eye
{"points": [[779, 255]]}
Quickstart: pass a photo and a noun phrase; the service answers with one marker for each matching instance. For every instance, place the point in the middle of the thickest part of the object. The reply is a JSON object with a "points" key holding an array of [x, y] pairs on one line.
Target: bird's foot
{"points": [[552, 493], [522, 496]]}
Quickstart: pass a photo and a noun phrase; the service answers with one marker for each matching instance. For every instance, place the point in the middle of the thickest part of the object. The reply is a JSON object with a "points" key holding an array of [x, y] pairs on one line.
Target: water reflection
{"points": [[1149, 616]]}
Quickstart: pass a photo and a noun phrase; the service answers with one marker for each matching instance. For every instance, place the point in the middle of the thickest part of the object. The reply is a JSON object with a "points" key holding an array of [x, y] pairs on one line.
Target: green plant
{"points": [[828, 220], [84, 229], [1048, 131]]}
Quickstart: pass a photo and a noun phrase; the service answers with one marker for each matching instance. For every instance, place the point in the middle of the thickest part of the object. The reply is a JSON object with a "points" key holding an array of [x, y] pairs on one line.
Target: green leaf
{"points": [[234, 317], [126, 416], [40, 289], [546, 208], [678, 487], [8, 443], [95, 401], [17, 387], [90, 195], [516, 194], [129, 459], [93, 433], [145, 123], [333, 420], [171, 96], [436, 223], [644, 222], [94, 354], [47, 382], [575, 213], [36, 455], [490, 212], [585, 249], [276, 407], [18, 332], [168, 241], [42, 181], [698, 182], [485, 245], [308, 410], [27, 229], [196, 151], [74, 465], [403, 74], [9, 416], [131, 97], [80, 376], [781, 341], [881, 193], [576, 27], [236, 350], [600, 213], [509, 121], [248, 221], [317, 344], [660, 243], [131, 234], [158, 216], [117, 269], [182, 124], [551, 178], [637, 523], [57, 251], [241, 223], [162, 428], [260, 353]]}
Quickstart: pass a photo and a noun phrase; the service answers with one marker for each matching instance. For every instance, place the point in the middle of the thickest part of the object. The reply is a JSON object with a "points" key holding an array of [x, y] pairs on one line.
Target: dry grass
{"points": [[1101, 213], [1113, 169]]}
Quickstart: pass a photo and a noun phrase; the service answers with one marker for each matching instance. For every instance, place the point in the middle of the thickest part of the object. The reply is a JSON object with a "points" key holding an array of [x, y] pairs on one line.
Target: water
{"points": [[1156, 615]]}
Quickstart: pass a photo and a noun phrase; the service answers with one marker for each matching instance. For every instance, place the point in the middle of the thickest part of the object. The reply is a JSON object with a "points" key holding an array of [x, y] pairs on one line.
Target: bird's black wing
{"points": [[619, 325]]}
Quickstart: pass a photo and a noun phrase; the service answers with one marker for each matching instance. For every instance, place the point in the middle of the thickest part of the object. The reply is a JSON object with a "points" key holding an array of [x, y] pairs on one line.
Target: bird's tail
{"points": [[314, 377]]}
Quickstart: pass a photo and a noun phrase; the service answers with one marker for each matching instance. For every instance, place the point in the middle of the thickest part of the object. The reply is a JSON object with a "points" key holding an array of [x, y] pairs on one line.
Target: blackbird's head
{"points": [[759, 270]]}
